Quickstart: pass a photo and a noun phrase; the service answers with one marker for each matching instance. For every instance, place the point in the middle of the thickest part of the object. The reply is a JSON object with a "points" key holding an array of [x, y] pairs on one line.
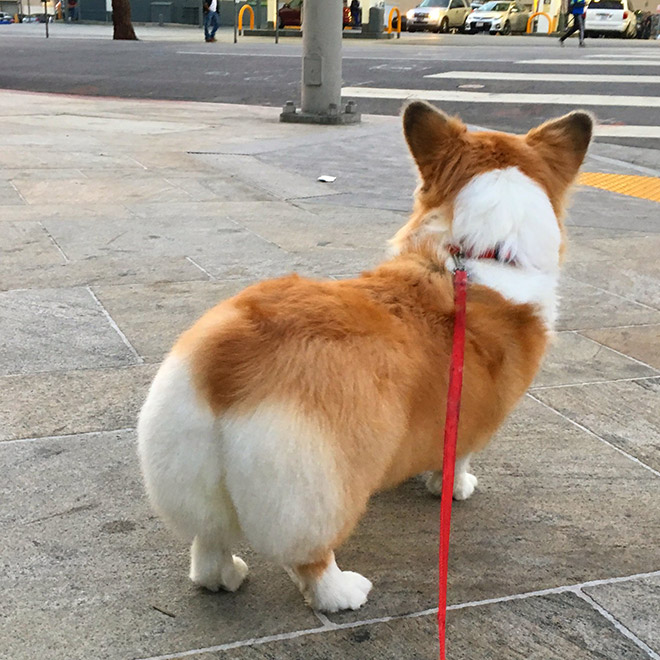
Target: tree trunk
{"points": [[121, 20]]}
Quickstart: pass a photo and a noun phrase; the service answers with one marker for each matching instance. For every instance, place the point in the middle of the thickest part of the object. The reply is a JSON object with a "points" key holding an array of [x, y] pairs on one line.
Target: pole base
{"points": [[350, 115]]}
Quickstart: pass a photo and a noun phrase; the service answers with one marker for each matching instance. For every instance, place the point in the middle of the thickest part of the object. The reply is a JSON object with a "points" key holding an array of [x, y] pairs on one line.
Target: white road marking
{"points": [[452, 96], [618, 56], [628, 63], [345, 56], [548, 77], [628, 131]]}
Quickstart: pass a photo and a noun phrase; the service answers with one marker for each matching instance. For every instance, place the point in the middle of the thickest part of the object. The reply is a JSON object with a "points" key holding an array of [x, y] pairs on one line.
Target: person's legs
{"points": [[207, 25], [215, 23], [570, 30], [580, 22]]}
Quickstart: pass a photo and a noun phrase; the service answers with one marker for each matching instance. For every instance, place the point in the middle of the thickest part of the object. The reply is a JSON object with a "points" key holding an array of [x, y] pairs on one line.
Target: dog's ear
{"points": [[563, 142], [428, 132]]}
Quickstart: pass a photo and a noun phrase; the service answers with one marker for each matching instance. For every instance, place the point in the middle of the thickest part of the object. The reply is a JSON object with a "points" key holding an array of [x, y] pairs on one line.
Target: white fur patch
{"points": [[181, 457], [283, 481], [507, 209]]}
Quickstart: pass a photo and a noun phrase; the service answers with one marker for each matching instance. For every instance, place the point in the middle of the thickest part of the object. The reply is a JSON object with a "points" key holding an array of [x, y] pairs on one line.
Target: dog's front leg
{"points": [[464, 482]]}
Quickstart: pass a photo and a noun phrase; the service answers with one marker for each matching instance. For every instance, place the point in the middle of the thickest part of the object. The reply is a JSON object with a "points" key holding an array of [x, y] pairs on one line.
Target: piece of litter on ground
{"points": [[165, 612], [326, 178]]}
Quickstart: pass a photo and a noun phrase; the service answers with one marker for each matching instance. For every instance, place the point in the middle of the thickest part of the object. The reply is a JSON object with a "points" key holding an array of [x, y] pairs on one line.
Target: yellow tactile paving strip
{"points": [[643, 187]]}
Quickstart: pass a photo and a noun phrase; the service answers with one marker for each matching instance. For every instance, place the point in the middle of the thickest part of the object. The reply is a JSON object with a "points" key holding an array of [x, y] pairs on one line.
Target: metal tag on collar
{"points": [[459, 260]]}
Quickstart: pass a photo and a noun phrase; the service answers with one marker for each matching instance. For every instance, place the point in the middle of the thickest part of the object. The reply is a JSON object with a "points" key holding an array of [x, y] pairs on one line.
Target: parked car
{"points": [[495, 16], [6, 18], [438, 15], [291, 14], [610, 17]]}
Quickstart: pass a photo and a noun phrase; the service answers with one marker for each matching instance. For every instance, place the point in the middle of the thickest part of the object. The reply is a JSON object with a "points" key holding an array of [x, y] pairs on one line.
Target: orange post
{"points": [[240, 18], [389, 22], [534, 15]]}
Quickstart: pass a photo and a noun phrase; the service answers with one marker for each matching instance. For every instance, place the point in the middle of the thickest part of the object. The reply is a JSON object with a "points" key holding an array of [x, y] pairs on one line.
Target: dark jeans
{"points": [[211, 24], [578, 24]]}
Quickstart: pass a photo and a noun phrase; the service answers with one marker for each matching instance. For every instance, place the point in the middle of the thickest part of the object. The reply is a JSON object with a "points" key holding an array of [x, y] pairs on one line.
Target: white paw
{"points": [[464, 485], [233, 576], [229, 576], [342, 590]]}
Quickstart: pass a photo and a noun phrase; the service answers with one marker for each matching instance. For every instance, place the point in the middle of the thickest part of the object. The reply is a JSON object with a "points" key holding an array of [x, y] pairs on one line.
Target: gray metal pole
{"points": [[321, 77], [321, 68]]}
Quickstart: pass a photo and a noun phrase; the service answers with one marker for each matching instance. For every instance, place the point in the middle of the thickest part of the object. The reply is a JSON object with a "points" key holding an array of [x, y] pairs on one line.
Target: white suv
{"points": [[610, 17], [438, 15]]}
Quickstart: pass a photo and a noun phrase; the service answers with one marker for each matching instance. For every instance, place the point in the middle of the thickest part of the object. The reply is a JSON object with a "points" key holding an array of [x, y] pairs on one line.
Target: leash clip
{"points": [[459, 260]]}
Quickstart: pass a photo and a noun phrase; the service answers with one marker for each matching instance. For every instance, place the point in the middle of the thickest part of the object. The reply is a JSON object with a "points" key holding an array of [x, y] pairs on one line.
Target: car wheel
{"points": [[506, 28], [444, 25]]}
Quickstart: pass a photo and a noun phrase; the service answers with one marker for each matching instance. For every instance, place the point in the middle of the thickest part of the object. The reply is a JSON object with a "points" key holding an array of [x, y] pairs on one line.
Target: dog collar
{"points": [[494, 253]]}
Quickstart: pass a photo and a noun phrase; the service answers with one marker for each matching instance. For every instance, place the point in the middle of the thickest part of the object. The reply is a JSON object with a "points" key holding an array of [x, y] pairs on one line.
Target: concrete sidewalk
{"points": [[122, 221]]}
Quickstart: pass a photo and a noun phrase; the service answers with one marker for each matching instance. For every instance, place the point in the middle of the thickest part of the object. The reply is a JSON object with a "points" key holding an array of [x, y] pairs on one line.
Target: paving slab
{"points": [[634, 278], [26, 244], [624, 413], [597, 208], [69, 402], [554, 627], [634, 604], [152, 316], [574, 359], [85, 563], [56, 329], [131, 269], [583, 307], [66, 210], [641, 342], [327, 226], [587, 244], [104, 189], [9, 195], [231, 247]]}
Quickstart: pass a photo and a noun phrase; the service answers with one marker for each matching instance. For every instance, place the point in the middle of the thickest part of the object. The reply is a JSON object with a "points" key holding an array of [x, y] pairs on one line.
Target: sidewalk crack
{"points": [[115, 327], [624, 630]]}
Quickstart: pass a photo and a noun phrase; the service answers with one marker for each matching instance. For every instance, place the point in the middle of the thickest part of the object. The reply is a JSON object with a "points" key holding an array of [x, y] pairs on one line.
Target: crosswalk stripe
{"points": [[453, 96], [631, 131], [618, 56], [549, 77], [592, 62]]}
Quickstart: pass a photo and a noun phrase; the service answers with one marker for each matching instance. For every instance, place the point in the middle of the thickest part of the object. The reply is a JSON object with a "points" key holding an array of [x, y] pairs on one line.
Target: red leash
{"points": [[449, 449]]}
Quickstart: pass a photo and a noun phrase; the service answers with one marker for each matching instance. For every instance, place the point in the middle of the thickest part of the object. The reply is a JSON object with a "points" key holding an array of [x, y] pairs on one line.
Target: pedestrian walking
{"points": [[211, 19], [577, 9], [356, 13]]}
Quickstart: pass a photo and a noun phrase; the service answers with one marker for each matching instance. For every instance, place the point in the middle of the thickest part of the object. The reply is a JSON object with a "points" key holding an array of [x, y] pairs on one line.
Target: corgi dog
{"points": [[279, 413]]}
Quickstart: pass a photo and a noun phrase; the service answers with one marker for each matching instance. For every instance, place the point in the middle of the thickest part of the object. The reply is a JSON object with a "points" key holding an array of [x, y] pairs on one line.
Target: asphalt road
{"points": [[499, 82]]}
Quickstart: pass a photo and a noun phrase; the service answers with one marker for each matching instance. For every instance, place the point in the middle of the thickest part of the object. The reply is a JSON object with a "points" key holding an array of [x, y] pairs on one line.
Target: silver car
{"points": [[495, 16]]}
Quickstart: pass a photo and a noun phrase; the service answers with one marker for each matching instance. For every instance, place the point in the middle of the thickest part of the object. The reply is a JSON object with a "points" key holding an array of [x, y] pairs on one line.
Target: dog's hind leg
{"points": [[464, 481], [212, 564], [180, 448], [327, 588]]}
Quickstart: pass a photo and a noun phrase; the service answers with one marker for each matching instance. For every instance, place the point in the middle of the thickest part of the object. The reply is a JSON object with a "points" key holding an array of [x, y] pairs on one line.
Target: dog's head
{"points": [[488, 189]]}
